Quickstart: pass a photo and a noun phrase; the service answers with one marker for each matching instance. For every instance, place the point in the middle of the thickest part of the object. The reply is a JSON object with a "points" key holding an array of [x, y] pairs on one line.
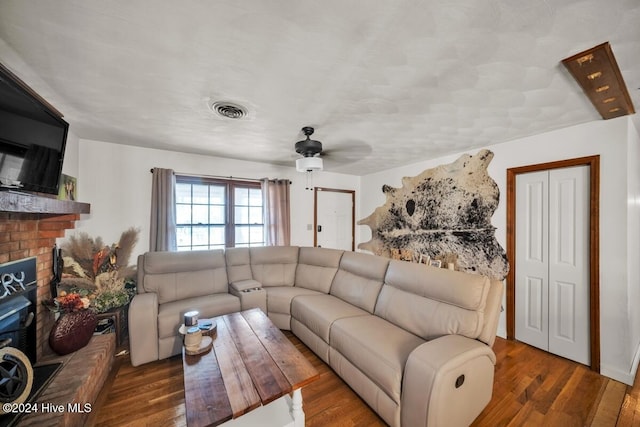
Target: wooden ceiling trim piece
{"points": [[597, 72]]}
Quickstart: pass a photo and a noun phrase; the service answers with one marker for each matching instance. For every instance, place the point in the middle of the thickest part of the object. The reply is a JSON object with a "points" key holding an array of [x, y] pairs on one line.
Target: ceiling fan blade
{"points": [[346, 151]]}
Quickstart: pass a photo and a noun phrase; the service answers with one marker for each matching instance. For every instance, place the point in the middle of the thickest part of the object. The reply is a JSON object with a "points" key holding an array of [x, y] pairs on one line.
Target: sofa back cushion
{"points": [[359, 279], [179, 275], [238, 264], [492, 313], [317, 267], [431, 302], [274, 265]]}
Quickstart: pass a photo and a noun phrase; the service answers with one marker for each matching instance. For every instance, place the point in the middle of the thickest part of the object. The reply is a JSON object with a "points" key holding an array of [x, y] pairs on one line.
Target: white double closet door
{"points": [[552, 261]]}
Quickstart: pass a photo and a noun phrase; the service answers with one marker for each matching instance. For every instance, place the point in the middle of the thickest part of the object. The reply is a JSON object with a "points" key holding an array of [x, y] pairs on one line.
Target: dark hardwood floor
{"points": [[531, 388]]}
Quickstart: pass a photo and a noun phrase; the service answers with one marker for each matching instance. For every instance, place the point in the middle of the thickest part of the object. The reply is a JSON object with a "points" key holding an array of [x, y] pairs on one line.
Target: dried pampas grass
{"points": [[90, 259]]}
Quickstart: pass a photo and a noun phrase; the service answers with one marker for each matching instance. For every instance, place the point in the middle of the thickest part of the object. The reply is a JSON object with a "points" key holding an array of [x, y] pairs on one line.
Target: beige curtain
{"points": [[163, 211], [277, 217]]}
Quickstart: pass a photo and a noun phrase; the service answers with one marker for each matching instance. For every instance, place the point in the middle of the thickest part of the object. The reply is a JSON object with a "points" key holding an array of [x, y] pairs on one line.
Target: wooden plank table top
{"points": [[251, 364]]}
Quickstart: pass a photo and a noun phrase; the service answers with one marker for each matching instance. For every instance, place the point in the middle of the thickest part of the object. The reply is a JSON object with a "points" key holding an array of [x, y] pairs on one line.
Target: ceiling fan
{"points": [[310, 149], [315, 158]]}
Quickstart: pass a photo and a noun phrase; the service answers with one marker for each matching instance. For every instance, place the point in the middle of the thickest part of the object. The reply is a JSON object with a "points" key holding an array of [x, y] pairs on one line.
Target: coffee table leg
{"points": [[296, 408]]}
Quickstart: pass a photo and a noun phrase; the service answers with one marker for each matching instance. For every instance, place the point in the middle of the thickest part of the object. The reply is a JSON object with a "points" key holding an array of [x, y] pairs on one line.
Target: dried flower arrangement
{"points": [[68, 302], [99, 272]]}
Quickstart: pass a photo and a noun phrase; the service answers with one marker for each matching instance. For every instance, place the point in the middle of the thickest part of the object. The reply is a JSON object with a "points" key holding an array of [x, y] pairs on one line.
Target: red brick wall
{"points": [[24, 235]]}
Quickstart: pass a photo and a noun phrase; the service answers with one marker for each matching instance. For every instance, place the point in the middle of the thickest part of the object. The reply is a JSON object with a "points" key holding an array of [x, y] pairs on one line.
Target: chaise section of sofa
{"points": [[435, 304]]}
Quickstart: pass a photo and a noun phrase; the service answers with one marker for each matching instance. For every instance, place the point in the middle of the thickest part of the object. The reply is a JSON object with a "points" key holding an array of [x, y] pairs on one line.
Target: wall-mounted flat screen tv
{"points": [[33, 137]]}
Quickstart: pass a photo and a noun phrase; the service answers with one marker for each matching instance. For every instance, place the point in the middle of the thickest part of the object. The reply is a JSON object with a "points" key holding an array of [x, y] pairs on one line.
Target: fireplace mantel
{"points": [[18, 202]]}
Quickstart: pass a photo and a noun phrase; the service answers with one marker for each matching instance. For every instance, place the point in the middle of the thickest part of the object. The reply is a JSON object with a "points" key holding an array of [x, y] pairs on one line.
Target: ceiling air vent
{"points": [[229, 110]]}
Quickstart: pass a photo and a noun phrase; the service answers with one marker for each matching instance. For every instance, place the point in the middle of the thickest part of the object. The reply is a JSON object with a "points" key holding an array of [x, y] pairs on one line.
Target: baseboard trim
{"points": [[624, 377], [635, 363]]}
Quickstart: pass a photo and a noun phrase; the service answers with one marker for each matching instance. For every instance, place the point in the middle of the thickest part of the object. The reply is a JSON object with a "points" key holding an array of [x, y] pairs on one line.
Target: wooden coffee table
{"points": [[253, 369]]}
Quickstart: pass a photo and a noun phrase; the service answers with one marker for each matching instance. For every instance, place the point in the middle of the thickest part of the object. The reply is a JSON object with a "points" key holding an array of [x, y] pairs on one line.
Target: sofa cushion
{"points": [[171, 314], [178, 275], [274, 265], [359, 279], [318, 312], [317, 267], [432, 302], [238, 264], [492, 313], [279, 297], [377, 347]]}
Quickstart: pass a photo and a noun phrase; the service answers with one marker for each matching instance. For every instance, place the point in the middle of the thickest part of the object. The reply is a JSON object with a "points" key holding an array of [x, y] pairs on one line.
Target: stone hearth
{"points": [[77, 385]]}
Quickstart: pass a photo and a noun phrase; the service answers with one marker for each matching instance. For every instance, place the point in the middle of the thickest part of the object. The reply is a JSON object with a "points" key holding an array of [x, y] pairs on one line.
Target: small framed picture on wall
{"points": [[435, 263], [67, 188]]}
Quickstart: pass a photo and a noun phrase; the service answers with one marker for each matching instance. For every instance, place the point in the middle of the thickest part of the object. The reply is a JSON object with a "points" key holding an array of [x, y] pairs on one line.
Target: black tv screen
{"points": [[33, 137]]}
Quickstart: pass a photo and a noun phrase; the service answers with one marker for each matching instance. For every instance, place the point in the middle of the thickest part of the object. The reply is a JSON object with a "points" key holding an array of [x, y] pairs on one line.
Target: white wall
{"points": [[116, 181], [633, 242], [70, 164], [609, 139]]}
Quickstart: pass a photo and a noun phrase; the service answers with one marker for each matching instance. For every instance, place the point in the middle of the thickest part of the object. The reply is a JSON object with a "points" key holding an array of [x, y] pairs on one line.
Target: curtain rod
{"points": [[230, 177]]}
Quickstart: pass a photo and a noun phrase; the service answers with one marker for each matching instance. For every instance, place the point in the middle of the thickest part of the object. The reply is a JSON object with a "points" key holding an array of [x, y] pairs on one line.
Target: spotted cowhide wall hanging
{"points": [[444, 213]]}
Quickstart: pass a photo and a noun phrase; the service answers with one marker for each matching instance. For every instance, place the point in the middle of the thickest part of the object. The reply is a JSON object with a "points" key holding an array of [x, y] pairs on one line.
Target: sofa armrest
{"points": [[143, 328], [250, 293], [243, 286], [447, 382]]}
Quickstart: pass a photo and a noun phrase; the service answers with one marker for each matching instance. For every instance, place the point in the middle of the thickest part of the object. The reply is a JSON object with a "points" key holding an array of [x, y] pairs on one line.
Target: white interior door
{"points": [[334, 213], [552, 261], [569, 263], [532, 254]]}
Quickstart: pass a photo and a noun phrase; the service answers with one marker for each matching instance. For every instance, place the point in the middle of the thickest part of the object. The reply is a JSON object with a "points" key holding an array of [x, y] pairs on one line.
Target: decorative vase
{"points": [[72, 331]]}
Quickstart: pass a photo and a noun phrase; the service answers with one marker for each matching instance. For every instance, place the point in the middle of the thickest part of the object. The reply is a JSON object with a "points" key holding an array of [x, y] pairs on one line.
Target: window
{"points": [[214, 214]]}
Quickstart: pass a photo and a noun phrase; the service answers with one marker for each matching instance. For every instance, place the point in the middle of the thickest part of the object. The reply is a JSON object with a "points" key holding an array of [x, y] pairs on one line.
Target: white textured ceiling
{"points": [[385, 83]]}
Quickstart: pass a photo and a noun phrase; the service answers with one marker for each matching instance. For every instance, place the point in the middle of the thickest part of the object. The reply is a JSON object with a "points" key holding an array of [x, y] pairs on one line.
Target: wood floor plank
{"points": [[608, 408], [551, 395], [527, 415], [630, 414]]}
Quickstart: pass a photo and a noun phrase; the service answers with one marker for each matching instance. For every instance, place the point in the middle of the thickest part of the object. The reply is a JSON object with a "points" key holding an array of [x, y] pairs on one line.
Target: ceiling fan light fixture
{"points": [[309, 149], [309, 164]]}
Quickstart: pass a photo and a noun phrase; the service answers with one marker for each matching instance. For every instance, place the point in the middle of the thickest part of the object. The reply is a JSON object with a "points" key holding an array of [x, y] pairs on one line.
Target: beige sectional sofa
{"points": [[413, 341]]}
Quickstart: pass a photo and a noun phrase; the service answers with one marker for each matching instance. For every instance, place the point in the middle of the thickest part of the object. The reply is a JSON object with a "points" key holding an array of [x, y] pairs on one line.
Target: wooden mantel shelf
{"points": [[13, 201]]}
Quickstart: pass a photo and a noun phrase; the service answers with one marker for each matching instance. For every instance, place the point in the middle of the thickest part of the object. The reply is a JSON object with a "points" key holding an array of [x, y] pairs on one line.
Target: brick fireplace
{"points": [[24, 235], [29, 227]]}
